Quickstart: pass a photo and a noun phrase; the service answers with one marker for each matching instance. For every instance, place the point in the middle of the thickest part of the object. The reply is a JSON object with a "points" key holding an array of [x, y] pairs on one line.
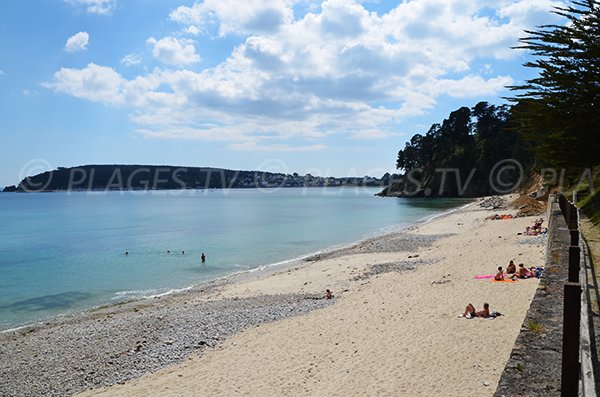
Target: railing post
{"points": [[574, 221], [569, 384], [574, 264], [568, 214], [574, 237]]}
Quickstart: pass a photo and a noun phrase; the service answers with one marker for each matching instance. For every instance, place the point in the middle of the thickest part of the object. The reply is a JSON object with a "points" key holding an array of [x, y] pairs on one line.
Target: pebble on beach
{"points": [[116, 344]]}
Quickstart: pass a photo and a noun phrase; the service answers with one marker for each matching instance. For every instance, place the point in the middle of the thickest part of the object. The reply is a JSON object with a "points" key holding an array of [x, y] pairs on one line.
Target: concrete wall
{"points": [[534, 367]]}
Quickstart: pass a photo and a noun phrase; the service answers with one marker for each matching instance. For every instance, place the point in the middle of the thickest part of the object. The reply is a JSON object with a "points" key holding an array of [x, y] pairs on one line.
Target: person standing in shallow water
{"points": [[203, 257]]}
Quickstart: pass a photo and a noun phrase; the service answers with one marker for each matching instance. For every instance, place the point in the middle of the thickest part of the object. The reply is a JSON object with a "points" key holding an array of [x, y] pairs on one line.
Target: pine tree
{"points": [[559, 110]]}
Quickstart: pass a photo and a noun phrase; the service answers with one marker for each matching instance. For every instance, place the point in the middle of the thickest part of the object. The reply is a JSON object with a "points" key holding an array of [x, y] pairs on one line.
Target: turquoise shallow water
{"points": [[64, 252]]}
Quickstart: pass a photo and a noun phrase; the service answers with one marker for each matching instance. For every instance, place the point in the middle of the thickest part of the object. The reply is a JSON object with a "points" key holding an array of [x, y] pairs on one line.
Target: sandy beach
{"points": [[391, 330]]}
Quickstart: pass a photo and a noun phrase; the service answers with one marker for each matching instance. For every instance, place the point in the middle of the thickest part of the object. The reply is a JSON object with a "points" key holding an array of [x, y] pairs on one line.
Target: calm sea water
{"points": [[65, 252]]}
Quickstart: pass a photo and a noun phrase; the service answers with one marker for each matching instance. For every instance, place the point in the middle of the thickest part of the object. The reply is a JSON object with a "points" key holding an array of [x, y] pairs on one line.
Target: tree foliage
{"points": [[470, 141], [559, 110]]}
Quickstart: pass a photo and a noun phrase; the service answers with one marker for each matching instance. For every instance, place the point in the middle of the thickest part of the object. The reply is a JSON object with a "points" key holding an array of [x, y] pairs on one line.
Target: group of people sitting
{"points": [[512, 272], [536, 229]]}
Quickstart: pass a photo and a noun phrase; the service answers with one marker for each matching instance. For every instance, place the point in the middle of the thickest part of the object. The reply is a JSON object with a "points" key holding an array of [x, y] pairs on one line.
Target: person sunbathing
{"points": [[497, 217], [470, 311], [530, 231], [522, 272], [536, 271], [511, 268], [537, 227], [500, 275]]}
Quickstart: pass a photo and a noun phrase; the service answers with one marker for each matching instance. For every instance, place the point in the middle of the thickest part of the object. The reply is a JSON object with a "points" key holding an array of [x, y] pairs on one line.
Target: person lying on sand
{"points": [[470, 311], [530, 232], [536, 229], [535, 271], [497, 217], [328, 294], [500, 275]]}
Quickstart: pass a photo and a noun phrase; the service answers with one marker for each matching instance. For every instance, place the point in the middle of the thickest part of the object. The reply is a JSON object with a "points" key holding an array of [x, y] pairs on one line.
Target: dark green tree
{"points": [[465, 146], [411, 157], [559, 110]]}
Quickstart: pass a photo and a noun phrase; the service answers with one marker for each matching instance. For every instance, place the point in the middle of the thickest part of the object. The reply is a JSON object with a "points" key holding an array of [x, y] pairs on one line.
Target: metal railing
{"points": [[577, 372]]}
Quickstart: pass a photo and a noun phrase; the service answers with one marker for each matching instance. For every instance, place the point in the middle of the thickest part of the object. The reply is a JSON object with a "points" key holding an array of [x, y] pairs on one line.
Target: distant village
{"points": [[140, 177], [295, 180]]}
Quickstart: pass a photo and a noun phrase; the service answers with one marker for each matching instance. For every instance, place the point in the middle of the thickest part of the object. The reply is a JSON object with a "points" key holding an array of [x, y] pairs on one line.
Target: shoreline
{"points": [[237, 276], [157, 328], [272, 268], [385, 286]]}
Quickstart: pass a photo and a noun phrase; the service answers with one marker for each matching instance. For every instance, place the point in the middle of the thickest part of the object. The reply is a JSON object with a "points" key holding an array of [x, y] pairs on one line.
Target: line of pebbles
{"points": [[114, 345]]}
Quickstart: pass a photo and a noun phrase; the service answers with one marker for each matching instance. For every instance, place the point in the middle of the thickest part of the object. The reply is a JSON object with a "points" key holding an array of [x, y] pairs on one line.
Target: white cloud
{"points": [[370, 134], [100, 7], [193, 30], [339, 69], [173, 51], [95, 83], [1, 73], [530, 12], [77, 42], [131, 60], [343, 18], [471, 86], [235, 17], [254, 146]]}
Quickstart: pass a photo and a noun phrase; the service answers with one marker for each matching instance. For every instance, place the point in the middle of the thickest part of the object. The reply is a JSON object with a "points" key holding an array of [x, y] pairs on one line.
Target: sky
{"points": [[331, 88]]}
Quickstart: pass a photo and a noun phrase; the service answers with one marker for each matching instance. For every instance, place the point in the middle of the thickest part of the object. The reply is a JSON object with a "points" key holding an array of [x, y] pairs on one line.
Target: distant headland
{"points": [[153, 177]]}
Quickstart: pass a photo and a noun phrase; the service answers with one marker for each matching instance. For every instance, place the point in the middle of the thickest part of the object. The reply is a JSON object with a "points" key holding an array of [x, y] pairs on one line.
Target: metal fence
{"points": [[577, 372]]}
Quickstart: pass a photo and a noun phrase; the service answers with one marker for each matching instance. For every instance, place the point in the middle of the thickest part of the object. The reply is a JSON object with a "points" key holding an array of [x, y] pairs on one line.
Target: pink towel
{"points": [[484, 276]]}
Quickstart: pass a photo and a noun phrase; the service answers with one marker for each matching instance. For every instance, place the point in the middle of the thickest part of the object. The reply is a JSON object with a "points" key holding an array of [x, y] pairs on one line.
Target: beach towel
{"points": [[506, 280], [500, 217], [483, 276]]}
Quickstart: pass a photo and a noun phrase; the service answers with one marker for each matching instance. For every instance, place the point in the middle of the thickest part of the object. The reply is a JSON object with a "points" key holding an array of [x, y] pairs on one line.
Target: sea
{"points": [[66, 252]]}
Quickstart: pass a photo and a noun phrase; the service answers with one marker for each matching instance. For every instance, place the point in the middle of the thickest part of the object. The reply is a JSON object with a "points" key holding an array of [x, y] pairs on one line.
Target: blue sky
{"points": [[333, 88]]}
